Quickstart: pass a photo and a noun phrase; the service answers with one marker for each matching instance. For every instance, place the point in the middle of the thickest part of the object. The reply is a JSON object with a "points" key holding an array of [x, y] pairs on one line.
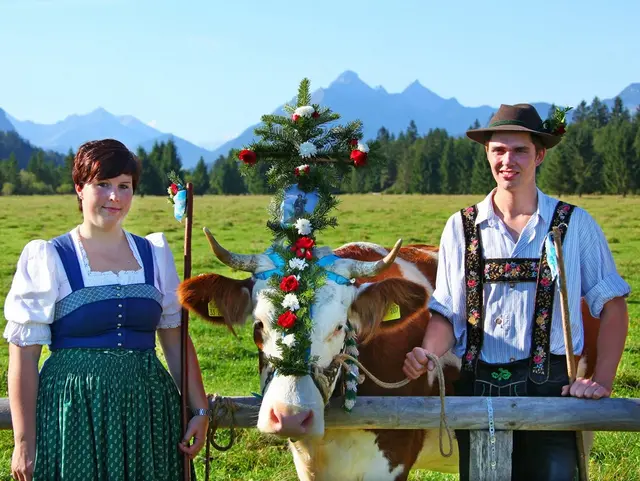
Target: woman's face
{"points": [[106, 202]]}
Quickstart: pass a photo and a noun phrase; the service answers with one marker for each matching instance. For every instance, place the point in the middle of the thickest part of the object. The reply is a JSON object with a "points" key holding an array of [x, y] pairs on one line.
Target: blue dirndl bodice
{"points": [[110, 316]]}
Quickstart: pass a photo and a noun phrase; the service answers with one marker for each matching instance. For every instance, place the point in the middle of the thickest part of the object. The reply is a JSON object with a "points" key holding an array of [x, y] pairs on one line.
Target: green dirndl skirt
{"points": [[107, 415]]}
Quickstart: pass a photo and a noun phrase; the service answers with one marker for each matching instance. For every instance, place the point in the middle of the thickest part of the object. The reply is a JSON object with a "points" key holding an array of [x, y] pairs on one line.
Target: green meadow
{"points": [[229, 365]]}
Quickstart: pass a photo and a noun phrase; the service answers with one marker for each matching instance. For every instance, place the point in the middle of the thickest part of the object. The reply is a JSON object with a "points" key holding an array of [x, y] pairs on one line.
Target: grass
{"points": [[229, 365]]}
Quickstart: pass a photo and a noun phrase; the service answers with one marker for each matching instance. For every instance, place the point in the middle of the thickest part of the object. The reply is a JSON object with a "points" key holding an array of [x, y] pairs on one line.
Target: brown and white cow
{"points": [[293, 406]]}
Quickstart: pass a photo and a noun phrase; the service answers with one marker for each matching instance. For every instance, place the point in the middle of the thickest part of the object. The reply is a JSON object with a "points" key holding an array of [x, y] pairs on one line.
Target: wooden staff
{"points": [[184, 330], [583, 465]]}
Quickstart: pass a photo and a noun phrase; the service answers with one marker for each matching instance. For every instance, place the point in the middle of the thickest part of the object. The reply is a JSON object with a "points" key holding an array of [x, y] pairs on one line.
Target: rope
{"points": [[222, 407], [444, 425]]}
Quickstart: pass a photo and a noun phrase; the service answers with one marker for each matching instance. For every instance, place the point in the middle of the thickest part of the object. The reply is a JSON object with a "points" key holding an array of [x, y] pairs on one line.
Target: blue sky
{"points": [[206, 70]]}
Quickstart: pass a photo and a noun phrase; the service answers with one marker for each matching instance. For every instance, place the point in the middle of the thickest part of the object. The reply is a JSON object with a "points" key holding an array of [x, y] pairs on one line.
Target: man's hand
{"points": [[417, 363], [586, 388]]}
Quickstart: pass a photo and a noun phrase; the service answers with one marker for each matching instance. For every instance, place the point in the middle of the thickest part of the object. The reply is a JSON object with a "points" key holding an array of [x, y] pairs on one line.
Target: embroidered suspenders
{"points": [[479, 271]]}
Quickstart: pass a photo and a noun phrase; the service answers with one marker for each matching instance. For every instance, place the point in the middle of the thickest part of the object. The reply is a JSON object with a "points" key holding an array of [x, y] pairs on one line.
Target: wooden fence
{"points": [[509, 414]]}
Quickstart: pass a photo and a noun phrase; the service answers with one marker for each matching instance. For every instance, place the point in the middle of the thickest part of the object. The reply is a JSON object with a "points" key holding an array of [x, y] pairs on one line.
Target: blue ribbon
{"points": [[180, 205]]}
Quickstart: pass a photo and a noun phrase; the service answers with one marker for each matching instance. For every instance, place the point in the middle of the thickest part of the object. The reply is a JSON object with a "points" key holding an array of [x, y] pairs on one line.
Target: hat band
{"points": [[507, 122]]}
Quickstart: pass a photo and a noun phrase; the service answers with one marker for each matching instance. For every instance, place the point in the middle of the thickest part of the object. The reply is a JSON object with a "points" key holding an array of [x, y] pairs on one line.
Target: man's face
{"points": [[513, 159]]}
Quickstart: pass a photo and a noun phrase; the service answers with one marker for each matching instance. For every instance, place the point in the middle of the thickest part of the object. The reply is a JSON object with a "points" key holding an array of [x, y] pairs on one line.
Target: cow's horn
{"points": [[371, 269], [242, 262]]}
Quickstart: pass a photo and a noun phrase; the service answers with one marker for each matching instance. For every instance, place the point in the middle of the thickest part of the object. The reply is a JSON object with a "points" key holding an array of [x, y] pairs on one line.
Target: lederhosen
{"points": [[508, 379]]}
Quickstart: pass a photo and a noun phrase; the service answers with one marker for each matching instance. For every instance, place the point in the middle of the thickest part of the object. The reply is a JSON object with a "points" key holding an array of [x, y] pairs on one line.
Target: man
{"points": [[497, 305]]}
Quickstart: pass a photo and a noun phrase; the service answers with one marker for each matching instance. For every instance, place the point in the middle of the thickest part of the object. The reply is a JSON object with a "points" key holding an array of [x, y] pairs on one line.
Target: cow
{"points": [[293, 406]]}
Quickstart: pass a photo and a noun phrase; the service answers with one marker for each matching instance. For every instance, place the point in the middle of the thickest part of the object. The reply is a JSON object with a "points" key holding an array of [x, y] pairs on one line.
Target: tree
{"points": [[200, 178], [482, 181], [556, 174], [449, 171], [225, 177], [151, 182]]}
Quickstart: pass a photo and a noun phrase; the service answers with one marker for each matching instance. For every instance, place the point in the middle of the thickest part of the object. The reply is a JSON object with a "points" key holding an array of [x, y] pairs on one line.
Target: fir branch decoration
{"points": [[307, 155], [556, 124]]}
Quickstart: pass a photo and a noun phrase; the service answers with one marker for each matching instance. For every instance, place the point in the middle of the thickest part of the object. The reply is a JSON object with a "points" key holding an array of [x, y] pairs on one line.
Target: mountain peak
{"points": [[347, 77]]}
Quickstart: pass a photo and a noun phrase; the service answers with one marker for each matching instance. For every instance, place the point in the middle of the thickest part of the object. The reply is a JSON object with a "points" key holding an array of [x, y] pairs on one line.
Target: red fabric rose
{"points": [[353, 142], [247, 156], [303, 247], [295, 117], [174, 189], [315, 114], [287, 319], [289, 283], [560, 130], [359, 158]]}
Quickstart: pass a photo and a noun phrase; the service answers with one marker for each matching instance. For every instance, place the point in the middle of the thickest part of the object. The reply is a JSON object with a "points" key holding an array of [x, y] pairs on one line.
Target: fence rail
{"points": [[510, 413]]}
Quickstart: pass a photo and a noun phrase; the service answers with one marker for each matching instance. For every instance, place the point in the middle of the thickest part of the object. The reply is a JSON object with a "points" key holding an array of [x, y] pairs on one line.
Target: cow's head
{"points": [[294, 398]]}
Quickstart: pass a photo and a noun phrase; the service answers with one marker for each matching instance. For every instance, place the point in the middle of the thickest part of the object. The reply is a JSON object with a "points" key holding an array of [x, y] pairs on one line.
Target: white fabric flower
{"points": [[307, 149], [304, 111], [349, 403], [351, 385], [297, 264], [290, 302], [303, 226], [363, 147], [289, 340]]}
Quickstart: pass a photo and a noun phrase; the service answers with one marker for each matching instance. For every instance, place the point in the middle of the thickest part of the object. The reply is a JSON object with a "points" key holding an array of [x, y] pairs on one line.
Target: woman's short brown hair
{"points": [[104, 159]]}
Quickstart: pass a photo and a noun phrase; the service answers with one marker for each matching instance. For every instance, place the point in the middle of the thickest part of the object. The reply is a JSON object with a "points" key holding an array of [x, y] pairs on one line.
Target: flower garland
{"points": [[292, 293]]}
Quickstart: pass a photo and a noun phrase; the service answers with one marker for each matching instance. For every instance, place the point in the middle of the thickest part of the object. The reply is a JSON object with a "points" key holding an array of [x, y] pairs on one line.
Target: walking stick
{"points": [[583, 465], [184, 329]]}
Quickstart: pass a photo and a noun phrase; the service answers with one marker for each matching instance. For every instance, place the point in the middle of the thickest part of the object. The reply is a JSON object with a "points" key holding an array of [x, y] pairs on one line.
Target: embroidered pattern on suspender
{"points": [[510, 270], [518, 270], [474, 285], [545, 290]]}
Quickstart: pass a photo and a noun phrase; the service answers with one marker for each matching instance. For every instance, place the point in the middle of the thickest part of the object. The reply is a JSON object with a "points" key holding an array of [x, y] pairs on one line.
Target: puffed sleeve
{"points": [[30, 305], [167, 279]]}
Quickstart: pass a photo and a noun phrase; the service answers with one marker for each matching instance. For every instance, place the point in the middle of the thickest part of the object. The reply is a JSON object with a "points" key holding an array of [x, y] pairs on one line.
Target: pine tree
{"points": [[449, 172], [151, 182], [200, 178], [598, 113], [615, 144], [556, 174], [581, 112], [619, 113], [482, 181]]}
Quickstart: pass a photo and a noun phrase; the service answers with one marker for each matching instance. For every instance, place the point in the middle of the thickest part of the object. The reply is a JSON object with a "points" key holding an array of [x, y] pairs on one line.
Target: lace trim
{"points": [[87, 267]]}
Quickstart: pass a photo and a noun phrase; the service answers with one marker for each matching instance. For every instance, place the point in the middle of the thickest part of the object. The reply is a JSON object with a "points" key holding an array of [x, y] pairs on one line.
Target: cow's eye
{"points": [[340, 327]]}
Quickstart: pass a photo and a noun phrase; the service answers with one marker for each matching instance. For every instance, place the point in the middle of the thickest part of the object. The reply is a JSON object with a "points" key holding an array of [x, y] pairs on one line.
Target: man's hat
{"points": [[523, 118]]}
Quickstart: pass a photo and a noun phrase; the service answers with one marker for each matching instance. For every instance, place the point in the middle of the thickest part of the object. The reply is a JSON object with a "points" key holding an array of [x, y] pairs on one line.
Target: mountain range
{"points": [[348, 95]]}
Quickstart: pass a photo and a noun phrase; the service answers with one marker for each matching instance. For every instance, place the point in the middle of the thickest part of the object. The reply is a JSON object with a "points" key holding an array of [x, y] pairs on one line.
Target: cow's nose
{"points": [[289, 420]]}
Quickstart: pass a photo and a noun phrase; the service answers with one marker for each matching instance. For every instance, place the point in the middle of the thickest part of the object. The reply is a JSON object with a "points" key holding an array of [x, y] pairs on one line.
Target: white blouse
{"points": [[40, 281]]}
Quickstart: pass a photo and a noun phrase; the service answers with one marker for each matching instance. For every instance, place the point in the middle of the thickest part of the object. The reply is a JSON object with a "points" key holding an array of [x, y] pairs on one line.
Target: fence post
{"points": [[490, 456]]}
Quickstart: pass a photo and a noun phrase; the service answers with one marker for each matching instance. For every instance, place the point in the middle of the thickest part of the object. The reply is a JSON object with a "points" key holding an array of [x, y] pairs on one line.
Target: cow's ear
{"points": [[217, 299], [374, 300]]}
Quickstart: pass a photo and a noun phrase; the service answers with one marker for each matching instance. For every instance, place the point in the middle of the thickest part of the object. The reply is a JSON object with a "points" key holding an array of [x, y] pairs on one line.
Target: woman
{"points": [[106, 408]]}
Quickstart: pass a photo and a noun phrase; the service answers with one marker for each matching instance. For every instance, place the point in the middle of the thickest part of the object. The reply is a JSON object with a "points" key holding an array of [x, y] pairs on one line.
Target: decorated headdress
{"points": [[308, 154]]}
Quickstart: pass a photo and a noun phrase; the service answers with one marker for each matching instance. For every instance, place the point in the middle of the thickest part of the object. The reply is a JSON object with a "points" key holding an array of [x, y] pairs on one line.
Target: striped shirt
{"points": [[589, 266]]}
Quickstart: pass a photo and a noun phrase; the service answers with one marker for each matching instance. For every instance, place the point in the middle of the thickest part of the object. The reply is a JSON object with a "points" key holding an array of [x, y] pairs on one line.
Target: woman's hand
{"points": [[196, 430], [22, 462]]}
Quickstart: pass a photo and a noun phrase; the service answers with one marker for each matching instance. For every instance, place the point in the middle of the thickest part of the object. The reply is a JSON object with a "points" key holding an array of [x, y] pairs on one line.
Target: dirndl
{"points": [[107, 415]]}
